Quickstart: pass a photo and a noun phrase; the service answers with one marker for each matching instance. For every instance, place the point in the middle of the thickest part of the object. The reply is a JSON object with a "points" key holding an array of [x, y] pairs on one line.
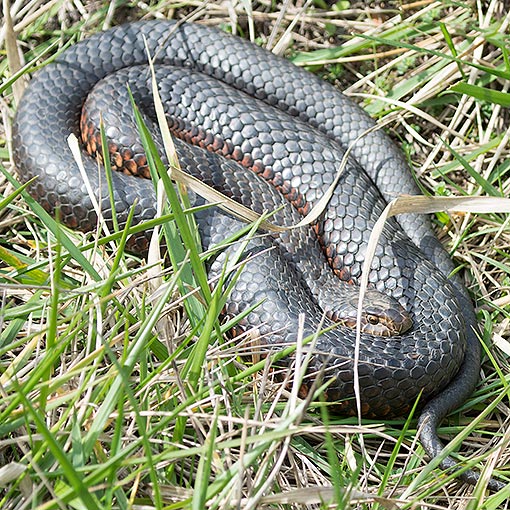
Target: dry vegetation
{"points": [[94, 412]]}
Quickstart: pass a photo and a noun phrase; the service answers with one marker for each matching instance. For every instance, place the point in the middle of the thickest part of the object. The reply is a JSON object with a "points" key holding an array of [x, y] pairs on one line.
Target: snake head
{"points": [[381, 315]]}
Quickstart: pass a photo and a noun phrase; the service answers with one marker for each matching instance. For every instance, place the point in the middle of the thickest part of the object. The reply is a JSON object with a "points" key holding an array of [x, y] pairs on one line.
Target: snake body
{"points": [[291, 129]]}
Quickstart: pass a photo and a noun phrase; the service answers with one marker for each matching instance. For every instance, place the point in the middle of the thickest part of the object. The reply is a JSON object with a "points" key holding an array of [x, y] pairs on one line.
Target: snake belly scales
{"points": [[253, 109]]}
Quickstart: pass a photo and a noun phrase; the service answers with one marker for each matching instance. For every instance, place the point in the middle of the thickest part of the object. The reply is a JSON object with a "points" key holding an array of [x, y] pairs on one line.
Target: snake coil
{"points": [[291, 129]]}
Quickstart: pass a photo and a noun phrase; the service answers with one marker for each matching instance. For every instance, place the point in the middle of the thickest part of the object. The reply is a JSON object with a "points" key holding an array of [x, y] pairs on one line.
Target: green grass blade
{"points": [[482, 93]]}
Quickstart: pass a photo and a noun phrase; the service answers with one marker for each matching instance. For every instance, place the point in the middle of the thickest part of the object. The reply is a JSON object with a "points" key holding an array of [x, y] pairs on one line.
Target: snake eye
{"points": [[373, 319]]}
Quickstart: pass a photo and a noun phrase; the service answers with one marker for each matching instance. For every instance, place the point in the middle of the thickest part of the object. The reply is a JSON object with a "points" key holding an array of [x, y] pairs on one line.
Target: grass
{"points": [[118, 387]]}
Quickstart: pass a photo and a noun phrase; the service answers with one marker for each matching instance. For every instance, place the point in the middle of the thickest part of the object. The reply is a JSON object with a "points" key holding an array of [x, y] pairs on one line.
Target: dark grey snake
{"points": [[292, 130]]}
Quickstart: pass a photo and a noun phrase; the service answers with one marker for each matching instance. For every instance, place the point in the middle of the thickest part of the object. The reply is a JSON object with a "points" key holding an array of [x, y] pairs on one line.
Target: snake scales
{"points": [[292, 129]]}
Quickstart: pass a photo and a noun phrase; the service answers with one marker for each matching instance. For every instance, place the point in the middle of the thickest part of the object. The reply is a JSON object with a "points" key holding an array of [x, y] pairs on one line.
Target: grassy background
{"points": [[112, 396]]}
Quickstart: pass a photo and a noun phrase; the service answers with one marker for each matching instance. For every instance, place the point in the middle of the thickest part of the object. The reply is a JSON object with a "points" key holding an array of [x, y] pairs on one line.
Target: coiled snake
{"points": [[292, 130]]}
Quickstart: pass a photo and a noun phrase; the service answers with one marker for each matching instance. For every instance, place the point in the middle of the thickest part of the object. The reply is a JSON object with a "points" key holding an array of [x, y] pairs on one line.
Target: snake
{"points": [[271, 136]]}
